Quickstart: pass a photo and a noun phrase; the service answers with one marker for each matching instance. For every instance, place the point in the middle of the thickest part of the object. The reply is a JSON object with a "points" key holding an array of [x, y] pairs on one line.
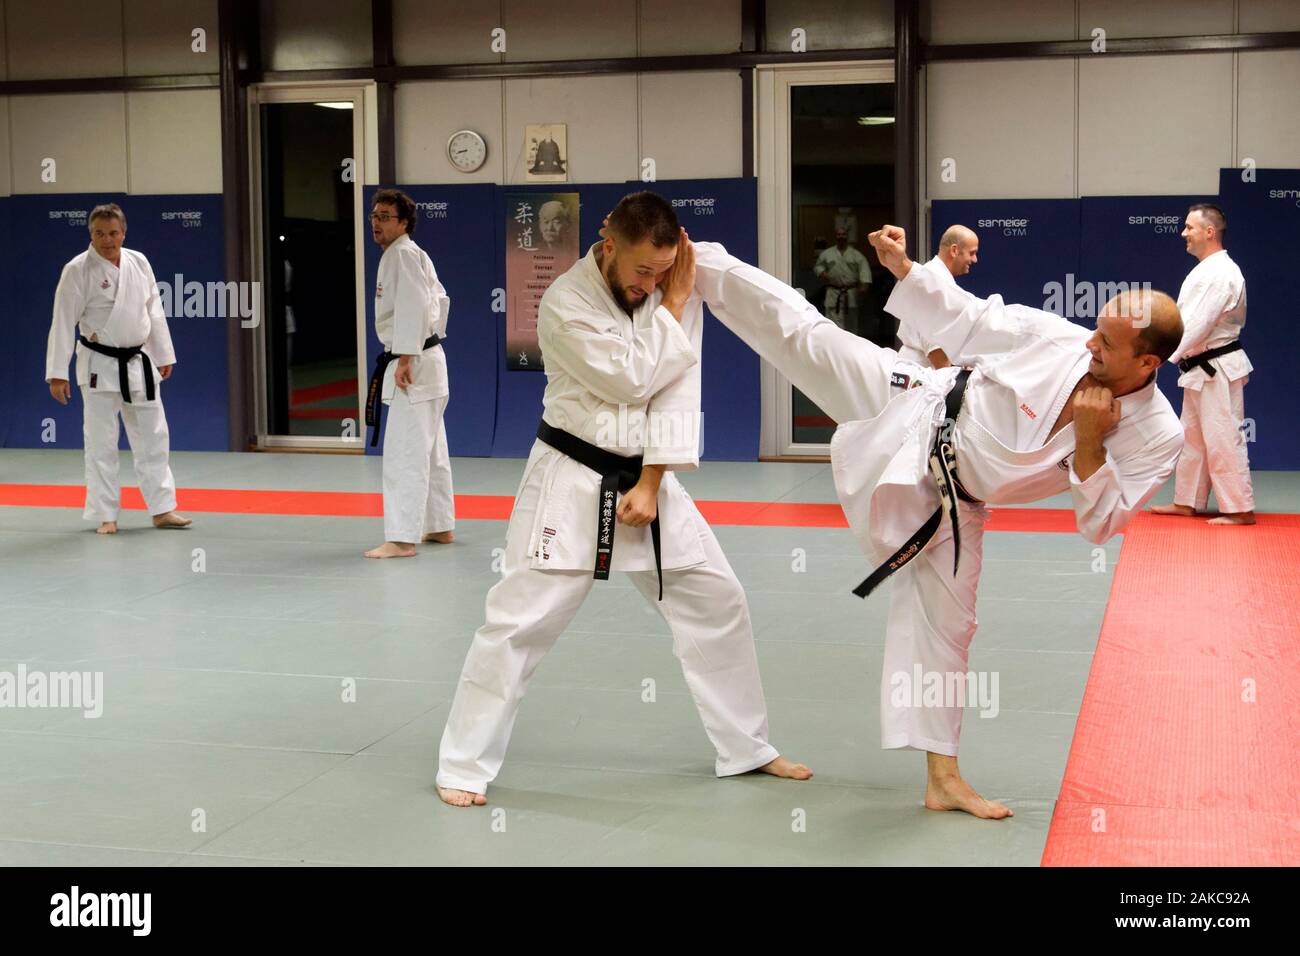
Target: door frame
{"points": [[362, 95], [772, 86]]}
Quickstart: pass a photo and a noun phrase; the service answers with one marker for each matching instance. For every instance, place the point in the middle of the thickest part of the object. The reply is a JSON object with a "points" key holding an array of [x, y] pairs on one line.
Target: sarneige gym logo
{"points": [[1292, 194], [1159, 224], [73, 217], [1015, 226], [703, 206], [432, 210], [189, 218]]}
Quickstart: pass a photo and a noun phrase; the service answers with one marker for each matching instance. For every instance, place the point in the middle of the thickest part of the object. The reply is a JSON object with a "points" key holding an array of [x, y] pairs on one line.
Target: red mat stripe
{"points": [[775, 514], [813, 421], [337, 413], [1171, 764], [318, 393]]}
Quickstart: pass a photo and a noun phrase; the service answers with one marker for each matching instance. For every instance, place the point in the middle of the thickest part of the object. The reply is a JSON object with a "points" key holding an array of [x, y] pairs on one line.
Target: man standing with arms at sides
{"points": [[107, 310], [1215, 371], [958, 250], [847, 275], [620, 333], [411, 378]]}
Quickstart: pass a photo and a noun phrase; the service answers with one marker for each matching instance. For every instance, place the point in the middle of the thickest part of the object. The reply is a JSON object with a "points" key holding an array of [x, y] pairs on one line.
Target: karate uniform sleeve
{"points": [[576, 337], [945, 316], [441, 307], [69, 303], [1201, 312], [914, 348], [836, 369], [819, 267], [412, 303], [1115, 492], [673, 416], [864, 270], [159, 343]]}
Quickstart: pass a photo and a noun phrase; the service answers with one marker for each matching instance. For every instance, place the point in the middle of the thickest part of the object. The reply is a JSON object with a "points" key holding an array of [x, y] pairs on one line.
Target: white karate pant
{"points": [[527, 610], [930, 626], [1214, 449], [931, 615], [146, 431], [418, 496]]}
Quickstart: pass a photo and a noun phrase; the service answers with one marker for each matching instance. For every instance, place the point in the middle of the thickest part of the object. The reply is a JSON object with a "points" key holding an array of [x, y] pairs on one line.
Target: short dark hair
{"points": [[107, 210], [1158, 340], [404, 203], [1213, 215], [645, 215]]}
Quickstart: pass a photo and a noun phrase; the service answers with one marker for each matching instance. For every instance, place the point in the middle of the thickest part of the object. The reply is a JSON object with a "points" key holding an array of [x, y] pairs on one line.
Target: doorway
{"points": [[310, 353], [826, 179]]}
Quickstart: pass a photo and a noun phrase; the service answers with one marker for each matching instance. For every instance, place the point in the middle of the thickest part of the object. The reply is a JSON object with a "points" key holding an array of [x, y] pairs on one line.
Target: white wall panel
{"points": [[84, 133]]}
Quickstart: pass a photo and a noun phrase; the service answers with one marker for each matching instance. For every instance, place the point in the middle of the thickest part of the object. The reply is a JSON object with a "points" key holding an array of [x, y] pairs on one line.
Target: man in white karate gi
{"points": [[1049, 408], [958, 250], [847, 275], [410, 377], [620, 334], [1215, 370], [108, 313]]}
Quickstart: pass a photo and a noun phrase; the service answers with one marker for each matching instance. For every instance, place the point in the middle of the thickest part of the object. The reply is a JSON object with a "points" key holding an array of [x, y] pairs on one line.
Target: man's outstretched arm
{"points": [[943, 315]]}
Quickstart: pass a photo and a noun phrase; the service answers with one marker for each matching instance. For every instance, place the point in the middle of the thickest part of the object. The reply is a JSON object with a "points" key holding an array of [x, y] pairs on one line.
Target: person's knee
{"points": [[726, 599]]}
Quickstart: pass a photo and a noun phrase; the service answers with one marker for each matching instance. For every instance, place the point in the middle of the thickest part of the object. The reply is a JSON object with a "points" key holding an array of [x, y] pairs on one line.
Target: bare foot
{"points": [[954, 793], [108, 527], [780, 767], [1185, 511], [171, 519], [1235, 517], [439, 537], [392, 549], [461, 798]]}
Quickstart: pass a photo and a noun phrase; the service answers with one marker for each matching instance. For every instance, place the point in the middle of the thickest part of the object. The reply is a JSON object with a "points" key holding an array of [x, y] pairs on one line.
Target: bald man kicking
{"points": [[958, 250], [1046, 408]]}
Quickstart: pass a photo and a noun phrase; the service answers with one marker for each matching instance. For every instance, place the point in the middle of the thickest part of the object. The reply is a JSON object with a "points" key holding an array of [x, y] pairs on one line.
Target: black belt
{"points": [[377, 385], [943, 465], [1203, 359], [124, 357], [617, 473]]}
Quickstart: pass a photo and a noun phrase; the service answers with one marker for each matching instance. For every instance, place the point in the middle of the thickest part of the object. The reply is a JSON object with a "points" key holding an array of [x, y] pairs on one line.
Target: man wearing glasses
{"points": [[410, 377]]}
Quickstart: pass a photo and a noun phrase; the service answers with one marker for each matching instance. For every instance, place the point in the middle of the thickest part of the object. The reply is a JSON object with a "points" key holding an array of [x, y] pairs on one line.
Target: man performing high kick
{"points": [[1046, 408]]}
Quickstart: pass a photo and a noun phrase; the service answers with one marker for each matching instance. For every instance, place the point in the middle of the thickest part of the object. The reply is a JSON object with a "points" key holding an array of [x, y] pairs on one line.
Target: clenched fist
{"points": [[639, 506], [1096, 411], [890, 243]]}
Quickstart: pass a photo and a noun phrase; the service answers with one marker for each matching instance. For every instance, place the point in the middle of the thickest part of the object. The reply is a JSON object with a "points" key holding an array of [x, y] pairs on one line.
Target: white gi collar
{"points": [[1139, 399]]}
